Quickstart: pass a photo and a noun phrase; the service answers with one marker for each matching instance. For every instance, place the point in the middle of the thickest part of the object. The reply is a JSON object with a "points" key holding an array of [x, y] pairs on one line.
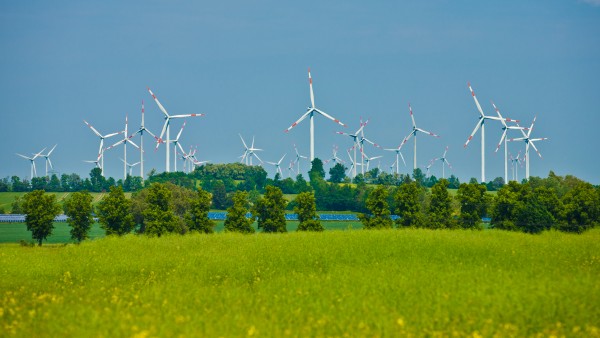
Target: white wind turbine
{"points": [[514, 161], [428, 167], [101, 148], [444, 161], [529, 141], [96, 162], [505, 129], [47, 157], [32, 161], [413, 133], [335, 158], [310, 113], [291, 168], [353, 163], [278, 165], [124, 141], [480, 124], [368, 159], [130, 165], [398, 156], [249, 152], [166, 127], [359, 140], [298, 158], [141, 132], [175, 145]]}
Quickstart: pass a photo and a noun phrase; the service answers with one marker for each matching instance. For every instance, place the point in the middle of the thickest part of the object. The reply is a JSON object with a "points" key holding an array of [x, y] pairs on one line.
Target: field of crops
{"points": [[336, 283]]}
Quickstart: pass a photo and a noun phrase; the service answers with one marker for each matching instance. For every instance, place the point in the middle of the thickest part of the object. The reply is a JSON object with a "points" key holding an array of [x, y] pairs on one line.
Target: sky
{"points": [[244, 64]]}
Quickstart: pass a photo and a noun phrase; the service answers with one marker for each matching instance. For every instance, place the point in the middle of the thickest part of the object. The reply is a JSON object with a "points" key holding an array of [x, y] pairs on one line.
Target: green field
{"points": [[337, 283], [16, 232]]}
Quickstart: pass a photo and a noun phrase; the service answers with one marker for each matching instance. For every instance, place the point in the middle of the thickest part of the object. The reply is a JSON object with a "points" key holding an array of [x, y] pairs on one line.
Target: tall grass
{"points": [[353, 283]]}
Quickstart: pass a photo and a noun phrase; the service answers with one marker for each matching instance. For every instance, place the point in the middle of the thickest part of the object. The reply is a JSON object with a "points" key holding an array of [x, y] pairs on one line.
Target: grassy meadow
{"points": [[337, 283]]}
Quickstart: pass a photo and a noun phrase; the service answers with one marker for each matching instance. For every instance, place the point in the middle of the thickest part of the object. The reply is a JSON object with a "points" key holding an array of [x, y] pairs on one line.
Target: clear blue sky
{"points": [[245, 64]]}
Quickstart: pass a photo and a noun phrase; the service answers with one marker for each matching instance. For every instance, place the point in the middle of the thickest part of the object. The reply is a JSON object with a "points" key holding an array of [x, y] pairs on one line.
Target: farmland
{"points": [[356, 283]]}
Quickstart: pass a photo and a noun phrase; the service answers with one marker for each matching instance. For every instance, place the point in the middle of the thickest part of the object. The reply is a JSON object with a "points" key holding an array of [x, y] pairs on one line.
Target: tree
{"points": [[306, 209], [316, 169], [418, 176], [236, 220], [581, 208], [337, 173], [270, 211], [197, 217], [507, 205], [472, 205], [97, 180], [301, 184], [40, 209], [78, 207], [440, 208], [17, 206], [379, 216], [159, 216], [54, 184], [219, 195], [114, 213], [408, 206], [453, 182]]}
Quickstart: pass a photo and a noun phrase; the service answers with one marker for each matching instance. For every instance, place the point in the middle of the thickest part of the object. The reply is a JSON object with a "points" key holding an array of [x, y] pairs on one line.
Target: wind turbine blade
{"points": [[501, 139], [180, 131], [245, 146], [186, 115], [476, 101], [162, 133], [312, 95], [402, 157], [536, 149], [412, 116], [282, 157], [261, 161], [330, 117], [427, 132], [132, 143], [310, 110], [160, 106], [531, 128], [50, 163], [51, 150], [181, 148], [25, 157], [92, 128], [479, 123]]}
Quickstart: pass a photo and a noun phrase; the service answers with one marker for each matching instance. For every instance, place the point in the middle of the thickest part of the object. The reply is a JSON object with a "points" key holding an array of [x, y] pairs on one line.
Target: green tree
{"points": [[418, 176], [236, 220], [40, 209], [408, 206], [197, 217], [78, 207], [337, 173], [379, 210], [159, 216], [114, 213], [97, 180], [270, 211], [219, 195], [306, 209], [472, 205], [581, 208], [316, 169], [440, 207], [507, 205], [54, 184], [17, 206]]}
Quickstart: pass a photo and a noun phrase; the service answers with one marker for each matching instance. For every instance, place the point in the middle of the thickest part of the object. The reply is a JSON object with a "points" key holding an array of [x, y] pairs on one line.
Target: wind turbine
{"points": [[353, 164], [166, 127], [428, 167], [96, 162], [444, 161], [249, 152], [335, 158], [359, 140], [398, 156], [368, 159], [130, 166], [175, 144], [529, 141], [124, 141], [298, 158], [101, 149], [413, 133], [32, 161], [141, 132], [277, 165], [480, 124], [513, 162], [291, 168], [310, 113], [47, 157], [505, 129]]}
